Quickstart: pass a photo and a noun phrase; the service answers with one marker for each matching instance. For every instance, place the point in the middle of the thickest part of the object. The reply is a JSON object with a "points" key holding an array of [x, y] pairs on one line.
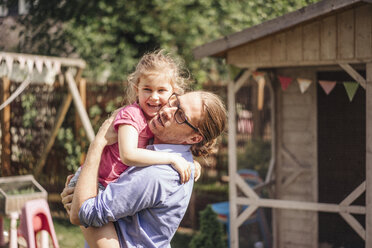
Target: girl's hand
{"points": [[182, 167], [197, 170]]}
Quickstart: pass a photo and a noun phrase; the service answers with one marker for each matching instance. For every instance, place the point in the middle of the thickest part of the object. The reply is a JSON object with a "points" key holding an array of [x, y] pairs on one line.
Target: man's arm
{"points": [[87, 184]]}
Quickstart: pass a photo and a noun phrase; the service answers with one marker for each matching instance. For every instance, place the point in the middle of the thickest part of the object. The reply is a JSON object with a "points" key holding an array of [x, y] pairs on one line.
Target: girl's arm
{"points": [[131, 155]]}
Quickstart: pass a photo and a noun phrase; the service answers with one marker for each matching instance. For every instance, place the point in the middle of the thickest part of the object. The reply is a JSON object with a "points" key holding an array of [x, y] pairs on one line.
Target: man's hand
{"points": [[197, 170], [67, 194]]}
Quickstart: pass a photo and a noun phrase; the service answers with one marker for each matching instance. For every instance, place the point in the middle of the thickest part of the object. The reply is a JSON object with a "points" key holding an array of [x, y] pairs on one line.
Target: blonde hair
{"points": [[211, 125], [158, 62]]}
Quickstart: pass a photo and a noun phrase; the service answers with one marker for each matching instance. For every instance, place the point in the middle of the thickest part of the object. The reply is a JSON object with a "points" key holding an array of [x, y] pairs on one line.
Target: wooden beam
{"points": [[5, 130], [247, 190], [369, 155], [245, 215], [358, 228], [242, 79], [79, 105], [58, 123], [354, 74], [232, 158], [300, 205], [354, 195]]}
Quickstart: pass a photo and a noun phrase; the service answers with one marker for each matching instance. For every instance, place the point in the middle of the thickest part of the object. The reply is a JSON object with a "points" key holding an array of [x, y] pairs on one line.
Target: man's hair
{"points": [[211, 125]]}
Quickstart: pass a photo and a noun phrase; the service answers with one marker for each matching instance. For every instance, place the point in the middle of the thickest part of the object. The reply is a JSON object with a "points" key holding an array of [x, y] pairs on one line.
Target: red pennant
{"points": [[327, 85], [285, 82]]}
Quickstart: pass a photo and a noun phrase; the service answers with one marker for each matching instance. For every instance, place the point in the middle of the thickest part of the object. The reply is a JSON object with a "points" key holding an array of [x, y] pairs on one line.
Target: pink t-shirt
{"points": [[111, 165]]}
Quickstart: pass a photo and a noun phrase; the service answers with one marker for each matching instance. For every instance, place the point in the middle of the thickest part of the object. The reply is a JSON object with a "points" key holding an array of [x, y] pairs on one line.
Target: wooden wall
{"points": [[345, 36], [296, 141]]}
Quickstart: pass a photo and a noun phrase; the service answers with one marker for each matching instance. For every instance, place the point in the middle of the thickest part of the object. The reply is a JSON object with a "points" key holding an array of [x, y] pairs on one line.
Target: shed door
{"points": [[341, 156]]}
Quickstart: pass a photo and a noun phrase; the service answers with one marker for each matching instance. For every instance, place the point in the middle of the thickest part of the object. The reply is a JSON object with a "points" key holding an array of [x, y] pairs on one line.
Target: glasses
{"points": [[179, 115]]}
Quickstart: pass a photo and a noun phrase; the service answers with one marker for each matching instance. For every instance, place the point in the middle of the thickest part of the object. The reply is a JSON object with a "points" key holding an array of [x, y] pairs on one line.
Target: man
{"points": [[147, 204]]}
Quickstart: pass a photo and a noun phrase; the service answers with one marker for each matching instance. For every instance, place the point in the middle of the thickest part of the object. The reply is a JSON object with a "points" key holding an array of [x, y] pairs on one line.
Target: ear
{"points": [[195, 138]]}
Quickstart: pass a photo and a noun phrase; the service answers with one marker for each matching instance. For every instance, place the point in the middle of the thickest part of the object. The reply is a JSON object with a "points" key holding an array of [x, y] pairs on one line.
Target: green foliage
{"points": [[112, 35], [30, 112], [211, 231], [256, 156], [66, 139]]}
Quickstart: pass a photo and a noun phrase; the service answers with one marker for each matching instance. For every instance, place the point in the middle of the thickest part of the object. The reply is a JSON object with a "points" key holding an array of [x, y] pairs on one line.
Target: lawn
{"points": [[70, 236]]}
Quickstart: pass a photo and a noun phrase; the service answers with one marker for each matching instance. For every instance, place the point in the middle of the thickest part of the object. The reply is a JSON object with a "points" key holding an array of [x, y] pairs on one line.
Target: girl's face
{"points": [[153, 92]]}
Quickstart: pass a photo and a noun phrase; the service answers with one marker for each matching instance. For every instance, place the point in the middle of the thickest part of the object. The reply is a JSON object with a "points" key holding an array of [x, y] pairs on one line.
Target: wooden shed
{"points": [[321, 165]]}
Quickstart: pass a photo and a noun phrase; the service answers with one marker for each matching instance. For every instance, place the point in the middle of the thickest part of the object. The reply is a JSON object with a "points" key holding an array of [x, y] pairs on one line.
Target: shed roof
{"points": [[218, 47]]}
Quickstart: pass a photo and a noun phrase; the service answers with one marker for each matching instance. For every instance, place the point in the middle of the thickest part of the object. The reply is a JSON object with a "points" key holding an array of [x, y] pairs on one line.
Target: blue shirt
{"points": [[146, 204]]}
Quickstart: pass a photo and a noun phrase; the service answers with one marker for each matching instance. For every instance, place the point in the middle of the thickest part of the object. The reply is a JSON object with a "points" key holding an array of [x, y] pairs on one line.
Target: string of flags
{"points": [[304, 84], [41, 69]]}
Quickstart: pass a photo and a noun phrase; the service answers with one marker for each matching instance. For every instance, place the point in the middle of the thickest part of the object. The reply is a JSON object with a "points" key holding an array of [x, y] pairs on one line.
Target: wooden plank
{"points": [[358, 228], [354, 74], [242, 54], [263, 48], [294, 44], [244, 187], [5, 130], [363, 31], [311, 46], [62, 111], [328, 38], [298, 238], [345, 37], [79, 105], [278, 47], [242, 80], [354, 195], [369, 156], [232, 159], [301, 205], [245, 215]]}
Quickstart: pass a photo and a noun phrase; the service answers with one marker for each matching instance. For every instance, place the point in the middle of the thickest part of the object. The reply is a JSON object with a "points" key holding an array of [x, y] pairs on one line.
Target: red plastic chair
{"points": [[36, 217]]}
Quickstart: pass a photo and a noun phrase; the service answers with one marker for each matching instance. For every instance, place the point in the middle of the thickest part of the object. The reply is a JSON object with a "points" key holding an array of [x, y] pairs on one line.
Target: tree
{"points": [[111, 35], [211, 231]]}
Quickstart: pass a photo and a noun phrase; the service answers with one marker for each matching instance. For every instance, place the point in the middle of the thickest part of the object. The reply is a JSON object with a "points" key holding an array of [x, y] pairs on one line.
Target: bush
{"points": [[211, 231]]}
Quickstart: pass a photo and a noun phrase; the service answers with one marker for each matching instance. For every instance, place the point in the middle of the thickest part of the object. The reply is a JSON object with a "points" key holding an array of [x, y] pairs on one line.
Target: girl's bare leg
{"points": [[101, 237]]}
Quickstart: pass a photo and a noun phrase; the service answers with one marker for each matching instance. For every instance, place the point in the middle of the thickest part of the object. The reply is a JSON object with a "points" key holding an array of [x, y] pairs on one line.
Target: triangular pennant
{"points": [[39, 65], [9, 63], [48, 64], [327, 85], [22, 62], [1, 58], [351, 88], [304, 84], [285, 82], [30, 64], [57, 67]]}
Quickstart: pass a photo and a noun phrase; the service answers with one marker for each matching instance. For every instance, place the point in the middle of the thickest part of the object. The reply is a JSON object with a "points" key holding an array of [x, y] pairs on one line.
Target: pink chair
{"points": [[36, 217]]}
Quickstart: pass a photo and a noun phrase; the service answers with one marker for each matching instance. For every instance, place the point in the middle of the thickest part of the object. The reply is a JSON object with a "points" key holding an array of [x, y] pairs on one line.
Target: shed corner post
{"points": [[368, 237], [234, 237]]}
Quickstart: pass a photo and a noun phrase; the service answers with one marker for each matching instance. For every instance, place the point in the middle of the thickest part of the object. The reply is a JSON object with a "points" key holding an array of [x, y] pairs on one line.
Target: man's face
{"points": [[166, 129]]}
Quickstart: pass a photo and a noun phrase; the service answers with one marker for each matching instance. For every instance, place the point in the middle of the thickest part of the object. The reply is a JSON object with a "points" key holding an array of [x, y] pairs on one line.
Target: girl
{"points": [[156, 78]]}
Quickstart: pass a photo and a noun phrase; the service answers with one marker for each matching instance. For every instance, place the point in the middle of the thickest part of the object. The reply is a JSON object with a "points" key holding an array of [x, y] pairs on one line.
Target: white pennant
{"points": [[22, 62], [304, 84], [57, 67], [48, 64], [30, 64], [39, 65], [9, 64]]}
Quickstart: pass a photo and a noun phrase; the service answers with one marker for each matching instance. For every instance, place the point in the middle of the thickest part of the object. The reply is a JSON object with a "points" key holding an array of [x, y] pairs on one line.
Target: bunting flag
{"points": [[285, 82], [30, 65], [327, 85], [304, 84], [22, 62], [39, 65], [351, 88], [9, 64], [57, 67], [48, 64]]}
